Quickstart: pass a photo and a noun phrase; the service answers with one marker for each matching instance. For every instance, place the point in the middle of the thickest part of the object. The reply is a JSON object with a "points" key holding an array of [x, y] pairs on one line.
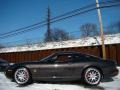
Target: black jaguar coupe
{"points": [[63, 66]]}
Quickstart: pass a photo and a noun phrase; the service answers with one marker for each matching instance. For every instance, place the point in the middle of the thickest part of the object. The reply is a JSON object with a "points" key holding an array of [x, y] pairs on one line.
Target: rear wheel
{"points": [[92, 76], [22, 76]]}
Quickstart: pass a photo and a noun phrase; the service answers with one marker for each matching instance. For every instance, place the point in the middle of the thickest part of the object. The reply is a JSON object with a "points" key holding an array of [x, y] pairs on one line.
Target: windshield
{"points": [[47, 58]]}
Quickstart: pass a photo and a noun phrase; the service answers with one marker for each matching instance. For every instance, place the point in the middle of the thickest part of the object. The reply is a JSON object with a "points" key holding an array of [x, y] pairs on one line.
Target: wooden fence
{"points": [[112, 52]]}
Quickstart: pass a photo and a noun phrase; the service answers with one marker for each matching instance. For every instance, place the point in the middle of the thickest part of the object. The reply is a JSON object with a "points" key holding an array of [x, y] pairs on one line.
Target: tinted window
{"points": [[78, 58], [64, 58], [48, 59]]}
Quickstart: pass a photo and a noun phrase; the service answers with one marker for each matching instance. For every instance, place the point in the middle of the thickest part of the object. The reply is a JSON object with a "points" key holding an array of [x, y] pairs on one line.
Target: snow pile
{"points": [[113, 84], [88, 41]]}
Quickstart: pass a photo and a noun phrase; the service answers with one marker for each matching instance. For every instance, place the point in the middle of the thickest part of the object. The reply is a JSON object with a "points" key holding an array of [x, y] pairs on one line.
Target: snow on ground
{"points": [[88, 41], [107, 84]]}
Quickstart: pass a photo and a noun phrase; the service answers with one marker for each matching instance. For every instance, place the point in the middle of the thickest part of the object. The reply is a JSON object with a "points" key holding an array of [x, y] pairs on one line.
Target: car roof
{"points": [[74, 52], [67, 52]]}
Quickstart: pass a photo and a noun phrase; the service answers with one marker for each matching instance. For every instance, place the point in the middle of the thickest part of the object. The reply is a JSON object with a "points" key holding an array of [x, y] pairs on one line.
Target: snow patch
{"points": [[88, 41]]}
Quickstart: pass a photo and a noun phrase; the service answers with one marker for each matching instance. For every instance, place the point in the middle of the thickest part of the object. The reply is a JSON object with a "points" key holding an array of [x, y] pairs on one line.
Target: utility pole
{"points": [[101, 29]]}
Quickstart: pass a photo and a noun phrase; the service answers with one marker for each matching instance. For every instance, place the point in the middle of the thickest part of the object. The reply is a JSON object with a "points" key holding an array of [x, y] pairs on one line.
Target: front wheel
{"points": [[22, 76], [92, 76]]}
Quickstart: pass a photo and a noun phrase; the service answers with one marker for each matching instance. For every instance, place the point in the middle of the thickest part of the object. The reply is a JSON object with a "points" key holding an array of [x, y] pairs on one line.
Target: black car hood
{"points": [[22, 64]]}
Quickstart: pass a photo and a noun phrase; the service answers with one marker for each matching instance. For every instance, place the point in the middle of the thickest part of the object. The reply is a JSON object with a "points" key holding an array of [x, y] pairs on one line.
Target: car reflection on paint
{"points": [[63, 66]]}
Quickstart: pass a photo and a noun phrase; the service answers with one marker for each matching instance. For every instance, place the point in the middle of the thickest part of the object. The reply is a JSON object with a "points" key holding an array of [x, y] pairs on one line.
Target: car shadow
{"points": [[94, 87], [107, 79]]}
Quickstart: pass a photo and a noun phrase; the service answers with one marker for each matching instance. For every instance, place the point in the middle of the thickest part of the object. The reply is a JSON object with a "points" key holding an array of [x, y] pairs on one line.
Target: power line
{"points": [[37, 40], [57, 20], [2, 37], [73, 11], [45, 20], [31, 40], [58, 16], [85, 12]]}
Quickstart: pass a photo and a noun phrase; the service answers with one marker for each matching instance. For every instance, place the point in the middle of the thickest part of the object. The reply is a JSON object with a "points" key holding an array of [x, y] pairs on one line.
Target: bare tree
{"points": [[28, 42], [60, 35], [88, 29]]}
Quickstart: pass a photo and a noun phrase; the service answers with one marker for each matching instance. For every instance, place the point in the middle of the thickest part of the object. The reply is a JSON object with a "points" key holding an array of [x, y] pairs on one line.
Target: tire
{"points": [[22, 76], [92, 76]]}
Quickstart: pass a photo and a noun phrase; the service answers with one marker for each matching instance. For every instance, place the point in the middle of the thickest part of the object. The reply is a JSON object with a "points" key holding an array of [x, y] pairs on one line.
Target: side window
{"points": [[78, 58], [63, 58]]}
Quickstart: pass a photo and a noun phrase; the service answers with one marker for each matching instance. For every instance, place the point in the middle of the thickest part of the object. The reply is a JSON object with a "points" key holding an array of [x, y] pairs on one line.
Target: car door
{"points": [[65, 68], [42, 70]]}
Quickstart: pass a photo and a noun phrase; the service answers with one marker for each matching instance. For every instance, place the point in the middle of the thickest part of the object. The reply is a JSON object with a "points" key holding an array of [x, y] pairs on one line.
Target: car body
{"points": [[63, 66], [3, 64]]}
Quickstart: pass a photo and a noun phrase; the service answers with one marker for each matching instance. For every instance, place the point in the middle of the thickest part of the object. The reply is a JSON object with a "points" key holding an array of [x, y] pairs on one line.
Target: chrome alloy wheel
{"points": [[92, 76], [21, 76]]}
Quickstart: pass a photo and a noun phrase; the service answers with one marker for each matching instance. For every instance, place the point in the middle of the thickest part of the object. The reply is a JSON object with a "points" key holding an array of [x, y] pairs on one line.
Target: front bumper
{"points": [[3, 68], [114, 73], [111, 72], [9, 74]]}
